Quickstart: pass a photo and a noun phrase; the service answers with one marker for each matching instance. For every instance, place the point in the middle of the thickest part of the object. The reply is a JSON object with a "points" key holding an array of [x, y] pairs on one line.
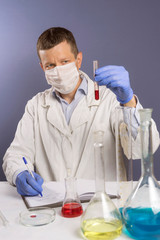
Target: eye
{"points": [[65, 61], [49, 66]]}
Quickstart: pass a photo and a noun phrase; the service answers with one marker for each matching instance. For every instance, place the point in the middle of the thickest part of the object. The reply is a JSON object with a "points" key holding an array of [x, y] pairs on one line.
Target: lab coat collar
{"points": [[55, 114], [48, 98]]}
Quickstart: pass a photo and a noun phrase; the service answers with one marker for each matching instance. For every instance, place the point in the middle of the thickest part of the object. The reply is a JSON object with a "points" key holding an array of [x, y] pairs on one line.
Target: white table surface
{"points": [[11, 204]]}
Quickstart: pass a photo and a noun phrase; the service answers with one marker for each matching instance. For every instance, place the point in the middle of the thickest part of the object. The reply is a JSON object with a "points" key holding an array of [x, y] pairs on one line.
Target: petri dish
{"points": [[37, 216]]}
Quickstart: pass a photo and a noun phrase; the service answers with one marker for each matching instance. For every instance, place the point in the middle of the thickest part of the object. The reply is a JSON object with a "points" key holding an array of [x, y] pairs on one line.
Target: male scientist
{"points": [[55, 134]]}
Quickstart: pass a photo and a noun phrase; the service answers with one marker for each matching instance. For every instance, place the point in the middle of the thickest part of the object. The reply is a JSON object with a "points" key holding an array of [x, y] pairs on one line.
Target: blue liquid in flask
{"points": [[142, 223], [141, 213]]}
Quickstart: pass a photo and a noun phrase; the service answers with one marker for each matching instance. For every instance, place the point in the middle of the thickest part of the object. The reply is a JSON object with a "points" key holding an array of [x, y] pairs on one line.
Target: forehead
{"points": [[61, 50]]}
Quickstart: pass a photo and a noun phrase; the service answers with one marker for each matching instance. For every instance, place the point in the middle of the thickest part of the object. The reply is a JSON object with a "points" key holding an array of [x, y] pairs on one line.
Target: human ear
{"points": [[41, 66], [79, 59]]}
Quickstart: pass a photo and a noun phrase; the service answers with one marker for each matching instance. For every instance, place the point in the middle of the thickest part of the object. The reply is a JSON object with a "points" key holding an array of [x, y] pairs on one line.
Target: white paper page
{"points": [[54, 192]]}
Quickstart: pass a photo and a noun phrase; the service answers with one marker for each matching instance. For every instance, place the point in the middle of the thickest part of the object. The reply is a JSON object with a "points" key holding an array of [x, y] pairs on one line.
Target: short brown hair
{"points": [[53, 36]]}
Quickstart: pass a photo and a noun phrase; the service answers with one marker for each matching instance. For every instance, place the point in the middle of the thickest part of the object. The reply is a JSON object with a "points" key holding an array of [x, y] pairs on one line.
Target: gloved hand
{"points": [[116, 78], [27, 185]]}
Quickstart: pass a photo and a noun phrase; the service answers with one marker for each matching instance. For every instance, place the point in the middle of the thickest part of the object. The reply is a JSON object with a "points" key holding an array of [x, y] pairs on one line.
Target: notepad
{"points": [[54, 192]]}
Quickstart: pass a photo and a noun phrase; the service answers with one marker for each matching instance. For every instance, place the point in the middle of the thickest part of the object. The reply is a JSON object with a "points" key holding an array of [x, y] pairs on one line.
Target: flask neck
{"points": [[70, 183], [147, 167], [146, 147], [99, 167]]}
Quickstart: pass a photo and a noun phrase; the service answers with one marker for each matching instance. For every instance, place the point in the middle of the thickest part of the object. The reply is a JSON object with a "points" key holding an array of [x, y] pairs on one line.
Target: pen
{"points": [[29, 170]]}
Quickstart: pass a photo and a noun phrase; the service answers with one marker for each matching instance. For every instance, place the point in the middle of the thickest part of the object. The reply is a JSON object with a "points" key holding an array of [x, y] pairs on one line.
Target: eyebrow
{"points": [[48, 63], [62, 59]]}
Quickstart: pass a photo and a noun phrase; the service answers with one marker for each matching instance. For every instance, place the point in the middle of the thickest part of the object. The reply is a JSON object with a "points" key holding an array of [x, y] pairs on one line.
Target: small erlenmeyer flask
{"points": [[141, 211], [101, 219], [71, 205]]}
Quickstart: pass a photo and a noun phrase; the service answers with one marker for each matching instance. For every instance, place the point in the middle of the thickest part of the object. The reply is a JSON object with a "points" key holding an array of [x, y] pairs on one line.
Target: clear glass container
{"points": [[96, 86], [37, 216], [141, 212], [124, 162], [71, 205], [101, 219]]}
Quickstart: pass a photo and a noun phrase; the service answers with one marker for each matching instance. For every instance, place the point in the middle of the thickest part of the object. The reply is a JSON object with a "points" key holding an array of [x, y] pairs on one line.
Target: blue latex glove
{"points": [[27, 185], [116, 78]]}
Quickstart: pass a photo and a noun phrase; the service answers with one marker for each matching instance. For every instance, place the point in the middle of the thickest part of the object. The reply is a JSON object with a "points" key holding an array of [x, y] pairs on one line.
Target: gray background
{"points": [[119, 32]]}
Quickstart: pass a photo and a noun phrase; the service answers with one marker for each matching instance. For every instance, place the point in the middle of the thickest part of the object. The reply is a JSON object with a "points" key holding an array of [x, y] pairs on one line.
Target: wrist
{"points": [[16, 173], [131, 103]]}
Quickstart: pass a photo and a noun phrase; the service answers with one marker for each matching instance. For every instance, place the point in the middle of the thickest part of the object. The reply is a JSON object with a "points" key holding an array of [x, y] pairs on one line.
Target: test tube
{"points": [[96, 87]]}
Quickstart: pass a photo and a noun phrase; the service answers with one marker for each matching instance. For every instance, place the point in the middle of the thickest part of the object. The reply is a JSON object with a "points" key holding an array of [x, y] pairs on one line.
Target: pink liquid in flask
{"points": [[71, 210]]}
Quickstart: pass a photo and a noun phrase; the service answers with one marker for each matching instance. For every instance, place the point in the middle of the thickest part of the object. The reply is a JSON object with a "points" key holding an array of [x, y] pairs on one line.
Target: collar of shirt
{"points": [[80, 93], [82, 90]]}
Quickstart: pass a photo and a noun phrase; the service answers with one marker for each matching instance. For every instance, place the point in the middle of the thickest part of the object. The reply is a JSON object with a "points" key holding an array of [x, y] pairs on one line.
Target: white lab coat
{"points": [[50, 145]]}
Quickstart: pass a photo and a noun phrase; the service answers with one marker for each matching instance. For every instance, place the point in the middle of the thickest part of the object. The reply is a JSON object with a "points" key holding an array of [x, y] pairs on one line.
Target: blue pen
{"points": [[29, 170]]}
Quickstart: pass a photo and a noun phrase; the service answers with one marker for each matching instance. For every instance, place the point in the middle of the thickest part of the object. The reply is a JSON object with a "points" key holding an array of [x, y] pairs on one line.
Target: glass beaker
{"points": [[141, 211], [71, 205], [101, 219], [124, 164]]}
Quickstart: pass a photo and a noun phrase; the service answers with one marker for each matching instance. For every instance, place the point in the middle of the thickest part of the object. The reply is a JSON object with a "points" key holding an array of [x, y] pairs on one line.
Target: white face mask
{"points": [[63, 78]]}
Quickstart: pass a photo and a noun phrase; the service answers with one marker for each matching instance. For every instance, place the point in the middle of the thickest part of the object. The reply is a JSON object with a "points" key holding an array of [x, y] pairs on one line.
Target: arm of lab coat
{"points": [[21, 146], [136, 140]]}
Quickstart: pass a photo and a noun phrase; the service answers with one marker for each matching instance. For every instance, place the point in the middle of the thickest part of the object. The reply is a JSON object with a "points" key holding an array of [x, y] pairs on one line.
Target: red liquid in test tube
{"points": [[96, 94], [96, 87]]}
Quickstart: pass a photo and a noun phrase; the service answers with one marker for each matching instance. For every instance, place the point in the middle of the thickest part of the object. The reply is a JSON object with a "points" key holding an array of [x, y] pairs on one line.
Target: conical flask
{"points": [[71, 205], [101, 219], [141, 211]]}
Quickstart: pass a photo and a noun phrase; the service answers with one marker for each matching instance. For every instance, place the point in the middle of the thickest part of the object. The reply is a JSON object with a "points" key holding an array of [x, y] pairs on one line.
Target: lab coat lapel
{"points": [[79, 116], [56, 116], [81, 113]]}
